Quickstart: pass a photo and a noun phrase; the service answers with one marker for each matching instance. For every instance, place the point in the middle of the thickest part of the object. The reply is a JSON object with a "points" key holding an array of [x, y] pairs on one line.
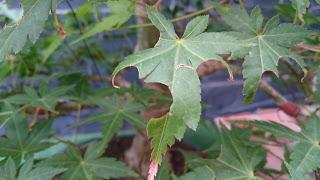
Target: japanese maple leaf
{"points": [[273, 41], [20, 142], [237, 160], [14, 37], [90, 166], [304, 157], [10, 171], [173, 62]]}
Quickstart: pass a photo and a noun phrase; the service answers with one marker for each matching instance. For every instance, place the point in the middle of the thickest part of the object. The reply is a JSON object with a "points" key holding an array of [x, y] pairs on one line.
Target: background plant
{"points": [[42, 54]]}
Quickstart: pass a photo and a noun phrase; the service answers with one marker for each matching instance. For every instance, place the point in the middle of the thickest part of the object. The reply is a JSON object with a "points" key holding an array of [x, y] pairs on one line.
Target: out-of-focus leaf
{"points": [[237, 160], [8, 171], [46, 99], [121, 12], [303, 157], [113, 116], [14, 14], [91, 166], [301, 7], [164, 171], [14, 37], [20, 143]]}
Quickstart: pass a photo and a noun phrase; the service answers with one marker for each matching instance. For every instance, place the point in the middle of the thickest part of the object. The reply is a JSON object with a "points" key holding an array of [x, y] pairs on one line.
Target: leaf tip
{"points": [[113, 83], [305, 73]]}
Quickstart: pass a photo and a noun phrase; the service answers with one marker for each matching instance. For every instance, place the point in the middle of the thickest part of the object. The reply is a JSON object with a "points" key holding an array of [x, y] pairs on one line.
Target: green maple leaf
{"points": [[91, 166], [45, 99], [237, 160], [273, 41], [305, 155], [173, 62], [14, 37], [114, 114], [20, 143], [9, 171], [121, 10]]}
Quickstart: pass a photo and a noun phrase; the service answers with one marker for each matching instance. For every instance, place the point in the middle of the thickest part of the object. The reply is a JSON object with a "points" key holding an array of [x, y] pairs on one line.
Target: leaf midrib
{"points": [[165, 126], [305, 157]]}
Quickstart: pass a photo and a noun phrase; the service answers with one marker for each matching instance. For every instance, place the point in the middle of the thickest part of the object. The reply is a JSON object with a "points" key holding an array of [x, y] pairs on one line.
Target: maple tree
{"points": [[49, 86]]}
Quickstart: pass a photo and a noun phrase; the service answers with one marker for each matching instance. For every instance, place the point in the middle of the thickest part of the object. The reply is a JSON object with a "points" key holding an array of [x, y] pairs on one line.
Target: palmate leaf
{"points": [[91, 166], [173, 62], [305, 155], [114, 114], [46, 99], [237, 160], [8, 171], [273, 41], [14, 37], [20, 143], [121, 11]]}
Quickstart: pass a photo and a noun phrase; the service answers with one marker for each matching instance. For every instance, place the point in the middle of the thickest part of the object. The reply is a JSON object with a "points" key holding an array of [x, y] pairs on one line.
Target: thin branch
{"points": [[84, 41], [270, 91], [309, 48], [196, 13]]}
